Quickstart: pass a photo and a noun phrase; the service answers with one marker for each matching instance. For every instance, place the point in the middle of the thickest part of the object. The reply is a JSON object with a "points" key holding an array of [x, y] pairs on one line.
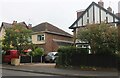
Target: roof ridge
{"points": [[58, 28], [107, 11], [6, 23], [45, 26]]}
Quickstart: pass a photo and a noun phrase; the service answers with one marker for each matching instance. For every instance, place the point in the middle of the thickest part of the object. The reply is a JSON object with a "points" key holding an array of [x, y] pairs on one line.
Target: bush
{"points": [[71, 50], [67, 53], [36, 52], [75, 57]]}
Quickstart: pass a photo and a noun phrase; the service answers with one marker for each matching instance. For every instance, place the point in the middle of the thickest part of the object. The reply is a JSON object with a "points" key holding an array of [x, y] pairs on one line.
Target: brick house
{"points": [[49, 37]]}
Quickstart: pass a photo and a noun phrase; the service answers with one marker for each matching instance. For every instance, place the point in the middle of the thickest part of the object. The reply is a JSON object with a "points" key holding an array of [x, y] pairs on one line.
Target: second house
{"points": [[49, 37]]}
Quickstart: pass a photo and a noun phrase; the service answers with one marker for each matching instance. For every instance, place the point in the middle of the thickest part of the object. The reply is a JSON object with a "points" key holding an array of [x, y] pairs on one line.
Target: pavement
{"points": [[49, 68]]}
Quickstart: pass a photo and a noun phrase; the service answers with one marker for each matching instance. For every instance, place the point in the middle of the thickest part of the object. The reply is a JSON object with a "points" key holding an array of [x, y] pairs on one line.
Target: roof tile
{"points": [[47, 27]]}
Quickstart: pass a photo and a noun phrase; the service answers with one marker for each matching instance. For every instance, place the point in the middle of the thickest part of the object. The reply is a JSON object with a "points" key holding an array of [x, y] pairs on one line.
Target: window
{"points": [[40, 37]]}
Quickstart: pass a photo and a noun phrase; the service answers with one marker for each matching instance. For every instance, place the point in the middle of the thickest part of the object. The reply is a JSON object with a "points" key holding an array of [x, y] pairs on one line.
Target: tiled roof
{"points": [[8, 25], [49, 28]]}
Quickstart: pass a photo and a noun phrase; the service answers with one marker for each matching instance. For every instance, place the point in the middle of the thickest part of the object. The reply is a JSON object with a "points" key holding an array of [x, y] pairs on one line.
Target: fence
{"points": [[94, 60], [35, 59], [89, 60]]}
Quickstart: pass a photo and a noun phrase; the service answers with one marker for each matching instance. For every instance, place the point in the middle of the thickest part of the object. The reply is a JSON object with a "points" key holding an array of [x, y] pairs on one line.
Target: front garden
{"points": [[72, 57], [104, 49]]}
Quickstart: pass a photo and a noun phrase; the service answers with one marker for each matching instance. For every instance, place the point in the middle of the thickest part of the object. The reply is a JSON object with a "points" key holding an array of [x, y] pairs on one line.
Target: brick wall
{"points": [[50, 45]]}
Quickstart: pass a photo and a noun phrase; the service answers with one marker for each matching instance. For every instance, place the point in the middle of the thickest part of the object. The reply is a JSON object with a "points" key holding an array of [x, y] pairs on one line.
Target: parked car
{"points": [[51, 57], [10, 54]]}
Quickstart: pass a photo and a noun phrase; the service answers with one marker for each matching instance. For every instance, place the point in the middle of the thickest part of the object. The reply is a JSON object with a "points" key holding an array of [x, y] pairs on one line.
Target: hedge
{"points": [[72, 56]]}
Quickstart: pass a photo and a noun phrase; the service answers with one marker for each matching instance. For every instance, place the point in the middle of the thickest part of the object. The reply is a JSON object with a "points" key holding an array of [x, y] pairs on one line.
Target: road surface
{"points": [[18, 74]]}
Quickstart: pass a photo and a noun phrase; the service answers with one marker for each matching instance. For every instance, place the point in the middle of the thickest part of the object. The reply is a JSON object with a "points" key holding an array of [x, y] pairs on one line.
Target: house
{"points": [[50, 37], [9, 25], [94, 14], [118, 14]]}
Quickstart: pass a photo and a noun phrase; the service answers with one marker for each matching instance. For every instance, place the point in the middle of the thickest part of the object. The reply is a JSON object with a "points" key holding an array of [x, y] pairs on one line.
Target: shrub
{"points": [[66, 54], [76, 57], [36, 52]]}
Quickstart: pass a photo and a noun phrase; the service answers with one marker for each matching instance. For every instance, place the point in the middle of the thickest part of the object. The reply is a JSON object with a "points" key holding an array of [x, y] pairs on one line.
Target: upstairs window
{"points": [[40, 37]]}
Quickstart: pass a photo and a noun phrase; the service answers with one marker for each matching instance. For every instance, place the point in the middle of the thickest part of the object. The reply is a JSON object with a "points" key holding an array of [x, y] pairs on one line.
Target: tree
{"points": [[101, 38], [16, 37]]}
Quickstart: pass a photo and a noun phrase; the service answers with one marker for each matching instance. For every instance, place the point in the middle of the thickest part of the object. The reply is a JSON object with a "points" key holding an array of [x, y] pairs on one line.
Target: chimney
{"points": [[109, 9], [14, 22], [101, 3], [118, 15], [119, 7], [79, 13], [29, 26]]}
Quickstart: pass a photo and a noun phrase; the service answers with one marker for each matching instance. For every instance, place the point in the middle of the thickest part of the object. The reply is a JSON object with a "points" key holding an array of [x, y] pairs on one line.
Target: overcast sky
{"points": [[61, 13]]}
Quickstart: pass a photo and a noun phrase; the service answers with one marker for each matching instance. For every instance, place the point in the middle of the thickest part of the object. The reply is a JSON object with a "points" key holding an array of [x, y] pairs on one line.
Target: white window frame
{"points": [[40, 37]]}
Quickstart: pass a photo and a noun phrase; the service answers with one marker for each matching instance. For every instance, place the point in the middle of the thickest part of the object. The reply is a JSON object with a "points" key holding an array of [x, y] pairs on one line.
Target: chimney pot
{"points": [[101, 3], [29, 26], [79, 13], [14, 22], [109, 9]]}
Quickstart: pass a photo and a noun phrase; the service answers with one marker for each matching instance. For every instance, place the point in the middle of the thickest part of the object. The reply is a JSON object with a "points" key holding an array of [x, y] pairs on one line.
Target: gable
{"points": [[95, 14], [49, 28], [9, 25]]}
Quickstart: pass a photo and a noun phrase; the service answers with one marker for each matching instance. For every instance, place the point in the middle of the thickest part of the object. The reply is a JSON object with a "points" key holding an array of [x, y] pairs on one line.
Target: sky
{"points": [[60, 13]]}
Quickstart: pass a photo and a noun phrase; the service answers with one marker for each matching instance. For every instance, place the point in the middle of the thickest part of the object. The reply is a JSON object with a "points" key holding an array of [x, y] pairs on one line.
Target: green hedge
{"points": [[66, 54], [72, 56]]}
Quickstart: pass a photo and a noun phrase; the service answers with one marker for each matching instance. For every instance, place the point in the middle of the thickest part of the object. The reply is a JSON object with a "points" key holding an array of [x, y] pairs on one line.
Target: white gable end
{"points": [[90, 12], [95, 14], [84, 19], [80, 22]]}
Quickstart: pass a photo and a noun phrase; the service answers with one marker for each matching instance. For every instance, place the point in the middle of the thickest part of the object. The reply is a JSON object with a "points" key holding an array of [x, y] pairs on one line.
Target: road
{"points": [[20, 73], [17, 74]]}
